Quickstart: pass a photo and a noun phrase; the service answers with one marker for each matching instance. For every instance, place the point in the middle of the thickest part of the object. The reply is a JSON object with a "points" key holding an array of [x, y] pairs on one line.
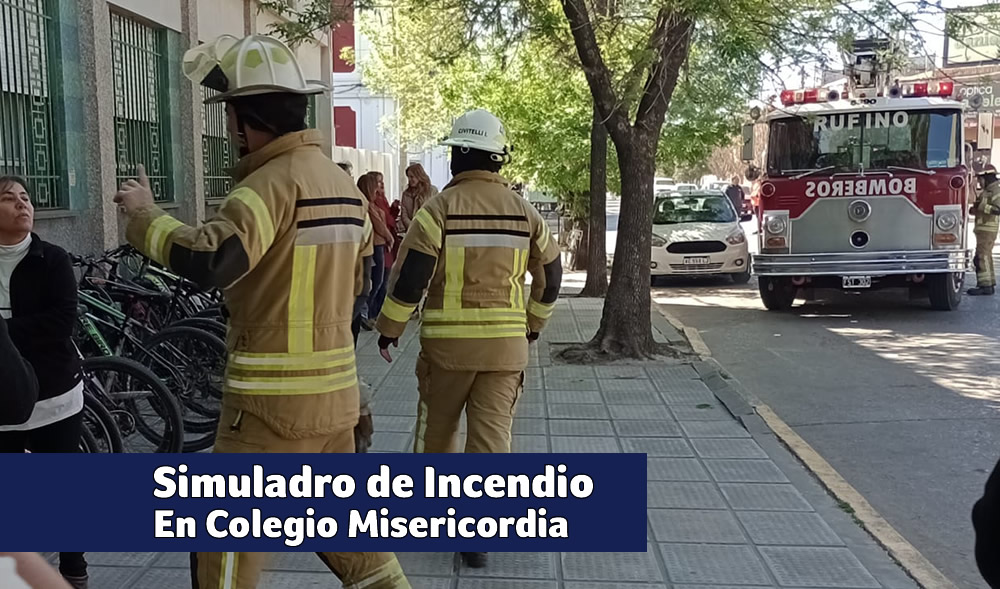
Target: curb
{"points": [[754, 414]]}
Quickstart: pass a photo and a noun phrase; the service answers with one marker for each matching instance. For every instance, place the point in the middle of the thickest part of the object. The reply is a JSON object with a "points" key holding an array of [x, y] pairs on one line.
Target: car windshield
{"points": [[693, 209], [877, 140]]}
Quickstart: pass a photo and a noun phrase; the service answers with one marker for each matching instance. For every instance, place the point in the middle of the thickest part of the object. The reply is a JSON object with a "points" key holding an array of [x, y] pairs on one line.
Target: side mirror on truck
{"points": [[748, 154]]}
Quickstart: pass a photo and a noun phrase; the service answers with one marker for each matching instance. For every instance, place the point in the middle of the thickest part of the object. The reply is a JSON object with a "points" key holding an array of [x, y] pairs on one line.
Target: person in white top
{"points": [[38, 301], [28, 570]]}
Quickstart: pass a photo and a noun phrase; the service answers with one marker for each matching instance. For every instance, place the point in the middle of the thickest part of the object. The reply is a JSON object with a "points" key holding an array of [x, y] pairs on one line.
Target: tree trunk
{"points": [[582, 253], [597, 266], [625, 325]]}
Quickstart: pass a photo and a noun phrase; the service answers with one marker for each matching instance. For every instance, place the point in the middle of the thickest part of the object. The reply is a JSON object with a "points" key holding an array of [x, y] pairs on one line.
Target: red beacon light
{"points": [[808, 96], [924, 89]]}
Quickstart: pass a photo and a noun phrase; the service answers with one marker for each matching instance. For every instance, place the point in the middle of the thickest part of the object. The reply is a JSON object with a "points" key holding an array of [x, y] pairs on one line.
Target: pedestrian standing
{"points": [[286, 247], [987, 212], [736, 195], [469, 248], [383, 241], [38, 300], [418, 191]]}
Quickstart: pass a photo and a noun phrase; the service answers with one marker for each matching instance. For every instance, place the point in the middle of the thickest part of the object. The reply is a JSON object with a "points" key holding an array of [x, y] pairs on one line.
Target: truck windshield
{"points": [[873, 140], [693, 209]]}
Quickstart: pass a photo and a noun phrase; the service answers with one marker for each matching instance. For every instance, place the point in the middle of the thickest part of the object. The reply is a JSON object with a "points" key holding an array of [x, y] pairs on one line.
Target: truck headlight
{"points": [[947, 221], [776, 225]]}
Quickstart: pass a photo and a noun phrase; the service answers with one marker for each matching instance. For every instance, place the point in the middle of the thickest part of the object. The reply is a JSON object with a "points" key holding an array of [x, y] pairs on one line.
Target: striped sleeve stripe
{"points": [[543, 239], [157, 234], [397, 312], [541, 310], [429, 226], [255, 203]]}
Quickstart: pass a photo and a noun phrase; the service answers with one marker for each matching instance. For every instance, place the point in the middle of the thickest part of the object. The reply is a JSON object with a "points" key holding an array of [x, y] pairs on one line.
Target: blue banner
{"points": [[323, 502]]}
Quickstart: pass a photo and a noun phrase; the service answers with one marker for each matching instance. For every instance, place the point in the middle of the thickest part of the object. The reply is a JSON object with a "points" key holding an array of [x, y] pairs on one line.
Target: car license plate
{"points": [[857, 281], [692, 261]]}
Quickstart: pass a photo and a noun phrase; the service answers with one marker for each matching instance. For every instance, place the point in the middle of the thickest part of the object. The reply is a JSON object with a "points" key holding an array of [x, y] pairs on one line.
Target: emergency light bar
{"points": [[913, 90]]}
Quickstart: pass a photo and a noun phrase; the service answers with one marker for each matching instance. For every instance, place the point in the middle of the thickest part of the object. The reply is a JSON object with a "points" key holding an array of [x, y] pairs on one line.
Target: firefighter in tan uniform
{"points": [[987, 212], [469, 248], [284, 239]]}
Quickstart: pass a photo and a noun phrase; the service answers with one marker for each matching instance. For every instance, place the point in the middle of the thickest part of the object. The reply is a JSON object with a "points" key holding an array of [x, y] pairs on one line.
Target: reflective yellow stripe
{"points": [[301, 299], [229, 570], [293, 366], [431, 228], [515, 293], [520, 278], [265, 227], [495, 330], [397, 312], [540, 310], [292, 385], [484, 315], [157, 234], [418, 446], [262, 357], [543, 239], [454, 277]]}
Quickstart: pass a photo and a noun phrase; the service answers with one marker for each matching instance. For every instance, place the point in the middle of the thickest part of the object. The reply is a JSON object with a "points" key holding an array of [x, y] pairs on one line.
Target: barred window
{"points": [[217, 151], [141, 103], [27, 136]]}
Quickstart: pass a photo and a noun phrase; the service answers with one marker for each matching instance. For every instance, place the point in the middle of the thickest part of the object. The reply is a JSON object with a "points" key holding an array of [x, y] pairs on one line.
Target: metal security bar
{"points": [[141, 99], [27, 146], [217, 151], [311, 112]]}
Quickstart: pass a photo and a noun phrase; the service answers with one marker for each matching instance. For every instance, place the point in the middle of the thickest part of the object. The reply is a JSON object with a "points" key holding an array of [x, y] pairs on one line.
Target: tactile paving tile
{"points": [[678, 373], [429, 582], [572, 384], [764, 497], [296, 561], [630, 385], [392, 423], [529, 444], [817, 567], [611, 566], [714, 429], [670, 447], [788, 529], [644, 412], [625, 371], [728, 448], [700, 412], [400, 382], [109, 577], [669, 495], [172, 560], [607, 585], [158, 578], [676, 469], [580, 427], [707, 563], [632, 398], [647, 429], [695, 526], [391, 442], [397, 408], [471, 583], [530, 410], [441, 564], [120, 559], [528, 426], [581, 444], [558, 396], [692, 398], [518, 565], [570, 411], [745, 471]]}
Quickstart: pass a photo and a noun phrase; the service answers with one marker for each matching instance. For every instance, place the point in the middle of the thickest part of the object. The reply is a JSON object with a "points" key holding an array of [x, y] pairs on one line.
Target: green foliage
{"points": [[308, 19]]}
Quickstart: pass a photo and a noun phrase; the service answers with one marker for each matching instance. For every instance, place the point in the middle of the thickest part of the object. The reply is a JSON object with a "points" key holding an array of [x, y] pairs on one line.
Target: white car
{"points": [[696, 234]]}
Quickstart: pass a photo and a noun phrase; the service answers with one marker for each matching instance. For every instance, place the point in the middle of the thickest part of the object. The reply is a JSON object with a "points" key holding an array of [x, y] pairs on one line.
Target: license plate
{"points": [[857, 281], [696, 260]]}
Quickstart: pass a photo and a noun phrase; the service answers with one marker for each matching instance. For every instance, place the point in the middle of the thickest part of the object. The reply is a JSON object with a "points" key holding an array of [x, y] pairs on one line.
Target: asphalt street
{"points": [[903, 401]]}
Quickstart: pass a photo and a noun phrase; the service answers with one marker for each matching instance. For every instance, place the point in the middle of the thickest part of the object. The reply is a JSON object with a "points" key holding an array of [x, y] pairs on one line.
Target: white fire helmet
{"points": [[478, 129], [257, 64]]}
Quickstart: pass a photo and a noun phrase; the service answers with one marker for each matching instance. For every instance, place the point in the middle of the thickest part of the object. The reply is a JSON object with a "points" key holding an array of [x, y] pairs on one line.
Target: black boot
{"points": [[981, 291], [76, 582], [476, 560]]}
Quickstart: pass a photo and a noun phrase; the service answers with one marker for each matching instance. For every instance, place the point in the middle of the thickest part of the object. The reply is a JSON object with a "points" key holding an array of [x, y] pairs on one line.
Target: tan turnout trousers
{"points": [[985, 240], [489, 399], [242, 432]]}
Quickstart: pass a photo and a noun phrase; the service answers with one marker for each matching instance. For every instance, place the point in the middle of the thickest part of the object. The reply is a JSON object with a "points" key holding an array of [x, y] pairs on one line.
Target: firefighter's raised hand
{"points": [[135, 194], [383, 346]]}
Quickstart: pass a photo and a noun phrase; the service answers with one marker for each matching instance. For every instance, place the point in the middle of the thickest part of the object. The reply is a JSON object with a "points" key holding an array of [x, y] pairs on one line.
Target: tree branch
{"points": [[596, 70], [672, 39]]}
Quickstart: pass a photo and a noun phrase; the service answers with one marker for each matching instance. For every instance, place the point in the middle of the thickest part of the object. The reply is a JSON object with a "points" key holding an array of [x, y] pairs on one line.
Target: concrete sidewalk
{"points": [[727, 505]]}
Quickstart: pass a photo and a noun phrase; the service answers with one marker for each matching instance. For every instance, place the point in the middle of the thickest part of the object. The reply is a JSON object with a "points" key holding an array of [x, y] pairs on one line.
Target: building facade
{"points": [[91, 88]]}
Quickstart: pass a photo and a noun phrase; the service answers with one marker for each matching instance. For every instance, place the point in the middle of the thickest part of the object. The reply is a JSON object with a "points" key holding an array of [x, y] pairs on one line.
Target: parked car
{"points": [[696, 234], [686, 188]]}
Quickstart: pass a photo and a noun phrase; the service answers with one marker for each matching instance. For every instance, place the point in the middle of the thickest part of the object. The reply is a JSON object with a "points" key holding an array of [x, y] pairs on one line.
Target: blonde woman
{"points": [[418, 191]]}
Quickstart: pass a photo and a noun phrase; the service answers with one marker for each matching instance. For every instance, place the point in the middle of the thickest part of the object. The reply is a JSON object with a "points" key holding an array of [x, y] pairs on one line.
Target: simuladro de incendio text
{"points": [[177, 482]]}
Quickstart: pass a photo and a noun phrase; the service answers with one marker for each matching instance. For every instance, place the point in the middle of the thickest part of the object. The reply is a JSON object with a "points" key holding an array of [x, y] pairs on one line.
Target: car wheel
{"points": [[740, 277]]}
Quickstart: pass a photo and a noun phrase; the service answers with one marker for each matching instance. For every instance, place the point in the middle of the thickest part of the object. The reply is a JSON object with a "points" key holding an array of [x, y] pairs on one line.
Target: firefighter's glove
{"points": [[383, 346], [363, 434], [533, 336], [992, 209]]}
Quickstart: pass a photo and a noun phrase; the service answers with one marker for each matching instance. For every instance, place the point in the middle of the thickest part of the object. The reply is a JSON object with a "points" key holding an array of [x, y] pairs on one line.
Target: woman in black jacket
{"points": [[38, 301], [20, 384]]}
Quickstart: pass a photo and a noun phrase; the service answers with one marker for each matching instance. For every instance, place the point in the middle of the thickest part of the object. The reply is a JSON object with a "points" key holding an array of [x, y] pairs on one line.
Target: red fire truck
{"points": [[864, 188]]}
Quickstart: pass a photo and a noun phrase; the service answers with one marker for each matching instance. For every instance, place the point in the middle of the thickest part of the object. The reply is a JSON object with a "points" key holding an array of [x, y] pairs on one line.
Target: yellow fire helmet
{"points": [[258, 64]]}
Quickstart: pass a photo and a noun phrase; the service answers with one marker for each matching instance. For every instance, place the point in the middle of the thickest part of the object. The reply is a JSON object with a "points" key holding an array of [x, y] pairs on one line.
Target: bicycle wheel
{"points": [[213, 326], [101, 425], [88, 443], [148, 416], [197, 365]]}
